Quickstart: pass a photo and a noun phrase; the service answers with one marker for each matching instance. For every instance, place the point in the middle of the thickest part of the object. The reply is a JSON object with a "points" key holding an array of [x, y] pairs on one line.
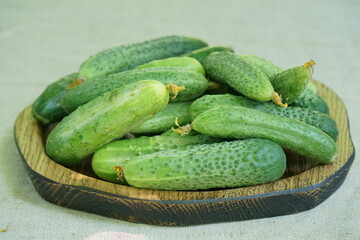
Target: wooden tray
{"points": [[303, 186]]}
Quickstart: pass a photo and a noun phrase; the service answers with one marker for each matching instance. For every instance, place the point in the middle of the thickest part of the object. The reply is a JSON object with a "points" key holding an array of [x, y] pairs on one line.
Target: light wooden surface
{"points": [[302, 176]]}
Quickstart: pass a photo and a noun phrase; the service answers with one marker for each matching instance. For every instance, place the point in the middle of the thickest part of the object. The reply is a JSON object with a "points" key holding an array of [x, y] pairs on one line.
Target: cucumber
{"points": [[291, 83], [202, 53], [266, 66], [316, 119], [47, 108], [165, 119], [207, 166], [107, 117], [310, 99], [126, 57], [240, 123], [177, 62], [110, 158], [230, 68], [195, 85]]}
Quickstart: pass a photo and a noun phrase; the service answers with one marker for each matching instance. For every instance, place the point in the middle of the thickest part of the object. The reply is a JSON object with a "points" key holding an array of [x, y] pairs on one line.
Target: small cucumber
{"points": [[177, 62], [291, 83], [165, 119], [107, 117], [110, 158], [202, 53], [195, 85], [47, 108], [266, 66], [206, 166], [240, 122], [126, 57], [230, 68], [316, 119], [310, 99]]}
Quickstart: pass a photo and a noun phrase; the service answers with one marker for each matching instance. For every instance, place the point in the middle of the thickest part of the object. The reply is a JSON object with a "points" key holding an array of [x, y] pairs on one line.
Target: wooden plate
{"points": [[303, 186]]}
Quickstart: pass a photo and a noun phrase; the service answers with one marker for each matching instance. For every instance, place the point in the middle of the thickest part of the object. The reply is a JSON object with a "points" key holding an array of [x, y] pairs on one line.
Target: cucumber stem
{"points": [[184, 130], [213, 85], [175, 89], [277, 99]]}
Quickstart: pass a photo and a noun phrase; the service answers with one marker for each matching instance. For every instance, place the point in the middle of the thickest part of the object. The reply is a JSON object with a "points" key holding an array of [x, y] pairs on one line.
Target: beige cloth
{"points": [[41, 41]]}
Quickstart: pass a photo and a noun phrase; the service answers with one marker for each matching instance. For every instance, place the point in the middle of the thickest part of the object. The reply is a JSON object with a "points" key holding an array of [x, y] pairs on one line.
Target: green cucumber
{"points": [[47, 108], [207, 166], [316, 119], [310, 99], [107, 117], [266, 66], [126, 57], [177, 62], [195, 85], [165, 119], [240, 123], [230, 68], [202, 53], [110, 158], [291, 83]]}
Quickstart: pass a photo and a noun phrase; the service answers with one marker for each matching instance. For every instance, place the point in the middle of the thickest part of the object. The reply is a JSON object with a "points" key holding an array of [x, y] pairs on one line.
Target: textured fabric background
{"points": [[41, 41]]}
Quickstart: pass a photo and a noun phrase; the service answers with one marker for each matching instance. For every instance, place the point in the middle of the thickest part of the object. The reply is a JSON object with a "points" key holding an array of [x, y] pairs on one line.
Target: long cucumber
{"points": [[240, 123], [104, 119], [126, 57], [195, 84]]}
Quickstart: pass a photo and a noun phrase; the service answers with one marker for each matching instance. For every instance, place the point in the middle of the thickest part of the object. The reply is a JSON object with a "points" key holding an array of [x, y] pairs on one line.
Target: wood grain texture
{"points": [[303, 186]]}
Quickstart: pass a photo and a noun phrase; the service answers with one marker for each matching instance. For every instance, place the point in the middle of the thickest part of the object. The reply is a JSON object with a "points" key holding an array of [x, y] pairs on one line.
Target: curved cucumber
{"points": [[316, 119], [266, 66], [126, 57], [104, 119], [110, 158], [47, 108], [310, 99], [240, 122], [202, 53], [195, 85], [291, 83], [230, 68], [206, 166], [165, 119], [176, 62]]}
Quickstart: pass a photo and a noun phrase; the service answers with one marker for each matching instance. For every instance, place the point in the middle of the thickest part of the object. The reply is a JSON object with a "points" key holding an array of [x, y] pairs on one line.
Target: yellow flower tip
{"points": [[119, 173], [175, 89], [277, 99], [75, 83], [309, 63]]}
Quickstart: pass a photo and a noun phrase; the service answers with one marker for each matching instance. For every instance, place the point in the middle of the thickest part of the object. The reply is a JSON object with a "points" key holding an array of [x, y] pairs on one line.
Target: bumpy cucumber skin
{"points": [[310, 99], [202, 53], [240, 123], [291, 83], [207, 166], [47, 108], [119, 152], [165, 119], [243, 77], [266, 66], [107, 117], [316, 119], [195, 85], [125, 57], [177, 62]]}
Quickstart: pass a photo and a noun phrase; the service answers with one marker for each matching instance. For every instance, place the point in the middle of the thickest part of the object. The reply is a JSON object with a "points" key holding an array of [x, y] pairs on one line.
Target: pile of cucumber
{"points": [[173, 113]]}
